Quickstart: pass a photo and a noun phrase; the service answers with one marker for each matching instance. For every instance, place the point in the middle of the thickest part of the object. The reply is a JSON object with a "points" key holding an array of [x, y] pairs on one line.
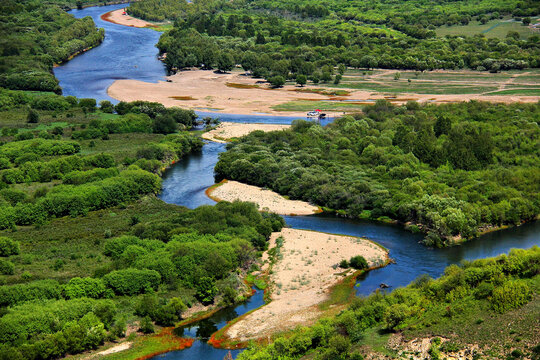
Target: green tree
{"points": [[33, 116], [277, 81], [225, 61], [206, 290], [301, 79]]}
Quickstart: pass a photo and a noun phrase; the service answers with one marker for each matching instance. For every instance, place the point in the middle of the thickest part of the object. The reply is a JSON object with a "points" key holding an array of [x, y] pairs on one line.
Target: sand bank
{"points": [[301, 279], [116, 17], [236, 93], [265, 199], [206, 90], [227, 130]]}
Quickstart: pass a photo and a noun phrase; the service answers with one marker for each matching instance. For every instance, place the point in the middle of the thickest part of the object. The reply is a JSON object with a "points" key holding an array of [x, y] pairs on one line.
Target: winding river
{"points": [[129, 53]]}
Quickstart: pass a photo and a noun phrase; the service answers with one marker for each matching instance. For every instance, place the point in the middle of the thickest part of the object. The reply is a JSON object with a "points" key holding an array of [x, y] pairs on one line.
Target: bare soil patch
{"points": [[227, 130]]}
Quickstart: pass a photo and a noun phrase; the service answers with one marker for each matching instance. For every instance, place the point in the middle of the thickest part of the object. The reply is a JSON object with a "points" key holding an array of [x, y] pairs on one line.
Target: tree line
{"points": [[450, 171]]}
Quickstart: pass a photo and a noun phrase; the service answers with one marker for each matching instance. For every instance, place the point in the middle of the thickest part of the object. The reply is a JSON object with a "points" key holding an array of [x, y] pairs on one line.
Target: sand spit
{"points": [[301, 279], [265, 199], [116, 17], [227, 130]]}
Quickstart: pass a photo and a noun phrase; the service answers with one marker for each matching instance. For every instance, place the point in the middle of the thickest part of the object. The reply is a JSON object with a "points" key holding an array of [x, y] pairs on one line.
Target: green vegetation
{"points": [[36, 36], [286, 40], [451, 170], [86, 243], [451, 305]]}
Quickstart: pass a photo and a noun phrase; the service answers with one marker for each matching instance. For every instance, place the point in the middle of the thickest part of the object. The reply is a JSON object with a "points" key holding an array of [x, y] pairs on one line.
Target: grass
{"points": [[497, 28], [42, 247], [403, 86], [146, 347], [522, 92], [307, 105]]}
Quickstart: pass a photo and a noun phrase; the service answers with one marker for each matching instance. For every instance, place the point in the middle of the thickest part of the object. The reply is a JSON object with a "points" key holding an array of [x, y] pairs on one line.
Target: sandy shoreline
{"points": [[265, 199], [236, 93], [227, 130], [116, 17], [301, 279]]}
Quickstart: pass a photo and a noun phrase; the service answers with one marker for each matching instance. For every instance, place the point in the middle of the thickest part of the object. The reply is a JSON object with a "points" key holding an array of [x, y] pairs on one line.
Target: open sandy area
{"points": [[236, 93], [265, 199], [301, 278], [116, 17], [227, 130]]}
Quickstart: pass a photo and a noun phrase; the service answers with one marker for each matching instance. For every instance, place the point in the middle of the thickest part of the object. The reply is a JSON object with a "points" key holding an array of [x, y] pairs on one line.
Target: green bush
{"points": [[36, 290], [511, 295], [8, 246], [6, 267], [84, 287], [132, 281], [358, 263]]}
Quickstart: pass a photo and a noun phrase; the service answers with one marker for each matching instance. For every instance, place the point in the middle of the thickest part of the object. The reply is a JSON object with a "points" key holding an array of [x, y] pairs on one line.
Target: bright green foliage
{"points": [[450, 168], [512, 295], [132, 281], [421, 305], [8, 246], [84, 287], [36, 290]]}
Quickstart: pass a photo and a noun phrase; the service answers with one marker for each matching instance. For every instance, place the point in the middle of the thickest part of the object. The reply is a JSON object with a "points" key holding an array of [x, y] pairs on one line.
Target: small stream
{"points": [[130, 53]]}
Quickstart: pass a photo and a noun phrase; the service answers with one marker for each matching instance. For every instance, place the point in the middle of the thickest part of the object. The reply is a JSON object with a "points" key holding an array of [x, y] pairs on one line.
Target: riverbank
{"points": [[302, 268], [227, 131], [118, 17], [237, 93], [266, 199]]}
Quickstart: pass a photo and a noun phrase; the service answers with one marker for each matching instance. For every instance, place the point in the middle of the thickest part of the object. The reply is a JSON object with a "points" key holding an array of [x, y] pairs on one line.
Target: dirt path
{"points": [[304, 272]]}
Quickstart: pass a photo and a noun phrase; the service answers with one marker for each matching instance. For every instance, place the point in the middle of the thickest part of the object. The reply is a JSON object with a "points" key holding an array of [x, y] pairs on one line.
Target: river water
{"points": [[129, 53]]}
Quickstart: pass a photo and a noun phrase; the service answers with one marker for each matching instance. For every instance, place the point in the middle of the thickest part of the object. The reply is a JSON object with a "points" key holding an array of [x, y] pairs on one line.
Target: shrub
{"points": [[206, 290], [36, 290], [146, 326], [32, 117], [132, 281], [511, 295], [6, 267], [8, 246], [358, 263], [84, 287]]}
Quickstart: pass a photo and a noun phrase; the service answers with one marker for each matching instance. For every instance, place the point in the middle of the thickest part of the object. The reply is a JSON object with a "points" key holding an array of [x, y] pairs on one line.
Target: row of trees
{"points": [[451, 169]]}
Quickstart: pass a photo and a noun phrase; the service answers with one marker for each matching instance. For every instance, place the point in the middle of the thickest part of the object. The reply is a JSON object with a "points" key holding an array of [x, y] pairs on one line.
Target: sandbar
{"points": [[236, 93], [116, 17], [301, 279], [267, 200], [228, 130]]}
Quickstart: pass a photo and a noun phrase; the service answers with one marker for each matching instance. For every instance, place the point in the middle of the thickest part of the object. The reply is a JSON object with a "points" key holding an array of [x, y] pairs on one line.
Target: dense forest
{"points": [[35, 36], [449, 171], [470, 304], [66, 162], [286, 39]]}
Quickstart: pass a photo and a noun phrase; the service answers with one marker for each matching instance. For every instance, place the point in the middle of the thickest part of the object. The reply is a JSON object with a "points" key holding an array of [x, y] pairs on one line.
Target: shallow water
{"points": [[129, 53]]}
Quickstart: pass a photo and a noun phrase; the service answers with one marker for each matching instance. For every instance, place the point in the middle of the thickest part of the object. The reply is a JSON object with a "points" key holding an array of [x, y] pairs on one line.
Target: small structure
{"points": [[316, 113]]}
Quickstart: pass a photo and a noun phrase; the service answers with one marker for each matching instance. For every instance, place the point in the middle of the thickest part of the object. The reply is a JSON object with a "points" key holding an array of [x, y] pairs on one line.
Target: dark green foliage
{"points": [[33, 116], [88, 105], [277, 81], [358, 262], [132, 281], [206, 290], [146, 326], [35, 37], [6, 267], [479, 171], [8, 246]]}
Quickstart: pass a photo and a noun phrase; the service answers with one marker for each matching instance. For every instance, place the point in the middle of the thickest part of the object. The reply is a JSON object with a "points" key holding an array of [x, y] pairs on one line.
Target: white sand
{"points": [[302, 279], [265, 199], [227, 130]]}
